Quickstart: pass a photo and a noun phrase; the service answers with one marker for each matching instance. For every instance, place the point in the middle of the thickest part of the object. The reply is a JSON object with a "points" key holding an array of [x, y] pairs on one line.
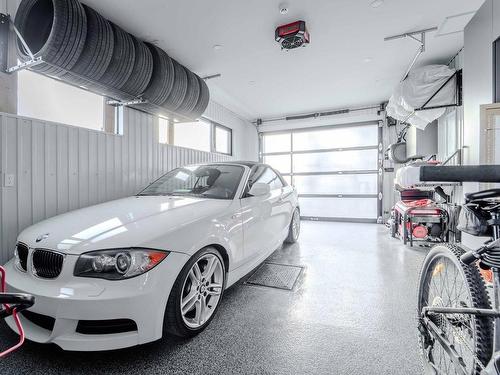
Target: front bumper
{"points": [[69, 299]]}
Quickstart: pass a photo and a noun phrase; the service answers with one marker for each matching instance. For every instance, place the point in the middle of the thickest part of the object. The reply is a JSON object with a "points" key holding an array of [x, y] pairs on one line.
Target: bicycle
{"points": [[459, 329]]}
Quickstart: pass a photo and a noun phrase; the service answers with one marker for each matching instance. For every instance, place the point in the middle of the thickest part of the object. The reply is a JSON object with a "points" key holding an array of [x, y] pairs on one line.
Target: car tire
{"points": [[55, 31], [294, 228], [179, 89], [203, 100], [162, 79], [181, 324], [122, 63], [142, 71], [97, 52], [192, 94]]}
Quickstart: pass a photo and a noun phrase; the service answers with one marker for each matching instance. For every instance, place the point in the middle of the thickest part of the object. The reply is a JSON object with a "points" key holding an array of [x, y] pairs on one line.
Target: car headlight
{"points": [[118, 264]]}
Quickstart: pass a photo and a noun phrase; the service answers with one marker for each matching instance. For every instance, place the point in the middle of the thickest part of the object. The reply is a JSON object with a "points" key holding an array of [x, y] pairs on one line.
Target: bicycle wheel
{"points": [[446, 282]]}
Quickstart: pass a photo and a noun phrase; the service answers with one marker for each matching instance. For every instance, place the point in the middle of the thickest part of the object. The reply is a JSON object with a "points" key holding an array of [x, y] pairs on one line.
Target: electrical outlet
{"points": [[9, 180]]}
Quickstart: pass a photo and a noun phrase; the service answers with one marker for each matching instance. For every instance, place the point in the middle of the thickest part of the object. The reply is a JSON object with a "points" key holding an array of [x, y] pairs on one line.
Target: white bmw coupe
{"points": [[124, 272]]}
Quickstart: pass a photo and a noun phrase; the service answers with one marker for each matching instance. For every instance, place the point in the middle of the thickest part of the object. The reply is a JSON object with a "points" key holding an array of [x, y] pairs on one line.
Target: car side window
{"points": [[265, 175]]}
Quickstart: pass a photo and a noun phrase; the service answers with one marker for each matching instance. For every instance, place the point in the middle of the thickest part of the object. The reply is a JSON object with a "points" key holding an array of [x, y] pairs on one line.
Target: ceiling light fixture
{"points": [[283, 7], [217, 47], [376, 3], [367, 60]]}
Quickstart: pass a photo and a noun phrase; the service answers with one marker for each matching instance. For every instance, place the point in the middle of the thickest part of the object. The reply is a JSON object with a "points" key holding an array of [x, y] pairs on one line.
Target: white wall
{"points": [[245, 137], [479, 35]]}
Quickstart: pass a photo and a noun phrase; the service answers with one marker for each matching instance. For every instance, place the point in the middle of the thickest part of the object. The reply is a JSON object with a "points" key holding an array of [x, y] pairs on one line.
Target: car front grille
{"points": [[22, 253], [47, 264]]}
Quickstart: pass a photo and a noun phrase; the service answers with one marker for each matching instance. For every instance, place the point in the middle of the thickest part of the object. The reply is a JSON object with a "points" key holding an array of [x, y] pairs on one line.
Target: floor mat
{"points": [[274, 275]]}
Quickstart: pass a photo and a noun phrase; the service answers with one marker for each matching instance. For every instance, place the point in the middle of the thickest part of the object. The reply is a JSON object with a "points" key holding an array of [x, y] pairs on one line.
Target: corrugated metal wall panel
{"points": [[59, 168]]}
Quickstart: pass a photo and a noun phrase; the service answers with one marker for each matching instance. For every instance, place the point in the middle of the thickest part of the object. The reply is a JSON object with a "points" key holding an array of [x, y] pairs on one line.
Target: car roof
{"points": [[249, 164]]}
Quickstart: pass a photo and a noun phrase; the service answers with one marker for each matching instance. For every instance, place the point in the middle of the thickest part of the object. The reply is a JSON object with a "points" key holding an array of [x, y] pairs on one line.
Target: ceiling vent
{"points": [[292, 35]]}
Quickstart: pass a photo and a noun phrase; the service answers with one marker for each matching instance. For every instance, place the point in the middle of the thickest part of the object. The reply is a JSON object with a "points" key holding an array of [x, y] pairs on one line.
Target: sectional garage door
{"points": [[335, 169]]}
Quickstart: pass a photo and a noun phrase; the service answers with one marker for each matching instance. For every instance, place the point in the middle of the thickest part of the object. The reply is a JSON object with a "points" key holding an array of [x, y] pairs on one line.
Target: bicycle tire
{"points": [[481, 326]]}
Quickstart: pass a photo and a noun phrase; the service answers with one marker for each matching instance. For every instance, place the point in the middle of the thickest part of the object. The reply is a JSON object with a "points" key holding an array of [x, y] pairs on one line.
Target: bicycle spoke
{"points": [[447, 288]]}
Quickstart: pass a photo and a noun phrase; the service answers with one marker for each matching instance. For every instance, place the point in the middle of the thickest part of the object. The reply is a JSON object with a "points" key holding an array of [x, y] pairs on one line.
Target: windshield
{"points": [[206, 181]]}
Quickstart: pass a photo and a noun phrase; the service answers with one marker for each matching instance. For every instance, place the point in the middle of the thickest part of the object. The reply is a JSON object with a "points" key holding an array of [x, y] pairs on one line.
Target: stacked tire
{"points": [[81, 47]]}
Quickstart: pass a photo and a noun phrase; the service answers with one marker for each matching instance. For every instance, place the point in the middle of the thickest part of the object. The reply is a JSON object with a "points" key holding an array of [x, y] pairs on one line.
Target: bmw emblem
{"points": [[42, 237]]}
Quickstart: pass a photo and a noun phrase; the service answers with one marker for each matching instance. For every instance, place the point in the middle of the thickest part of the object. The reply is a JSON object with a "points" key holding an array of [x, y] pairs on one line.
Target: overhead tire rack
{"points": [[118, 97]]}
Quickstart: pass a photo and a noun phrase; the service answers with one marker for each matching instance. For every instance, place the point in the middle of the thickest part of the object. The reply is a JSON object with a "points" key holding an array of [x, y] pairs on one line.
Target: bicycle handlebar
{"points": [[466, 173]]}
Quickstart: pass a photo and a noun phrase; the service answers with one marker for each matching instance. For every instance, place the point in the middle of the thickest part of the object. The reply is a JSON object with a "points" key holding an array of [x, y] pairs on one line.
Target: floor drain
{"points": [[274, 275]]}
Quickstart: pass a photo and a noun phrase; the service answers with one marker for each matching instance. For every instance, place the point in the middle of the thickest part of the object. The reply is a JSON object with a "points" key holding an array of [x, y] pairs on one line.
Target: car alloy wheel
{"points": [[202, 290]]}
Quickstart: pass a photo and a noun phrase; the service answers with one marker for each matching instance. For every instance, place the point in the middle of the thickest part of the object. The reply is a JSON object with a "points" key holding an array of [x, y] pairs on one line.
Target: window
{"points": [[223, 139], [163, 130], [280, 142], [200, 135], [196, 135], [51, 100], [265, 175], [207, 181]]}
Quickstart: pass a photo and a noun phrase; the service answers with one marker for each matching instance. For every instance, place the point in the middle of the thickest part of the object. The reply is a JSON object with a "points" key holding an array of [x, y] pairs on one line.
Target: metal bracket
{"points": [[25, 64], [32, 60], [130, 102], [4, 41], [421, 49], [458, 93], [206, 78]]}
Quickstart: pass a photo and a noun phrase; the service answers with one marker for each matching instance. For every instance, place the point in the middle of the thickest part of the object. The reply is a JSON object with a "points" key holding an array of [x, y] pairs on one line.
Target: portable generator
{"points": [[418, 220], [417, 216]]}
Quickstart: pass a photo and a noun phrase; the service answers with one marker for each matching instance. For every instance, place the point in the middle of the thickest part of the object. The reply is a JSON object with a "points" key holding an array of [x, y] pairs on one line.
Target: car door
{"points": [[258, 214], [287, 203]]}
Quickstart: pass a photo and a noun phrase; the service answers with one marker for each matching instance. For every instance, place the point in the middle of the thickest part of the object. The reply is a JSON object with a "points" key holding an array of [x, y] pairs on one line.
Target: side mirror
{"points": [[259, 189]]}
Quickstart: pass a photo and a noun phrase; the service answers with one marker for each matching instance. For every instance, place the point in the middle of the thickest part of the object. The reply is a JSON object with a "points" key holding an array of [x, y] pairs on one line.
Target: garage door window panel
{"points": [[339, 208], [281, 142], [354, 160], [365, 184], [282, 163], [345, 137]]}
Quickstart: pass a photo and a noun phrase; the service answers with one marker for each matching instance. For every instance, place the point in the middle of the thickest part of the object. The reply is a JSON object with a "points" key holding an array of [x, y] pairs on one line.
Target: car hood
{"points": [[124, 222]]}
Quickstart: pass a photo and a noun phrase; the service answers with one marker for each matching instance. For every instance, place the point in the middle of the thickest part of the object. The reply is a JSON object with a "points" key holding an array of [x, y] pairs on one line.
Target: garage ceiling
{"points": [[347, 63]]}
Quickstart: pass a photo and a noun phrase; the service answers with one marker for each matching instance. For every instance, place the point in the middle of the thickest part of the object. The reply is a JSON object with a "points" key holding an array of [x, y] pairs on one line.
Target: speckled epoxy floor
{"points": [[352, 312]]}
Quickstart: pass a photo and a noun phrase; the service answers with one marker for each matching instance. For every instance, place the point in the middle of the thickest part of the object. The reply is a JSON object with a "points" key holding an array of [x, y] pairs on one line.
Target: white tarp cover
{"points": [[416, 89]]}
